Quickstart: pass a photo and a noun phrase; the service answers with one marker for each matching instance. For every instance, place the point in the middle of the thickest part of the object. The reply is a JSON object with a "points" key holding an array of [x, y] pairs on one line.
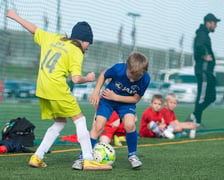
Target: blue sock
{"points": [[131, 139], [93, 142], [80, 155]]}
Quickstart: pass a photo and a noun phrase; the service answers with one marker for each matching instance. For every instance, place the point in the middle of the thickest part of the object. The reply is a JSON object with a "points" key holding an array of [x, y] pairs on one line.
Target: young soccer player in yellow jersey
{"points": [[60, 57]]}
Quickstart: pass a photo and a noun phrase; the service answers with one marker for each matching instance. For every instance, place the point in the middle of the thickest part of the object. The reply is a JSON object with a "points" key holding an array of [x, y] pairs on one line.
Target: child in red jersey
{"points": [[152, 122], [113, 129], [170, 117]]}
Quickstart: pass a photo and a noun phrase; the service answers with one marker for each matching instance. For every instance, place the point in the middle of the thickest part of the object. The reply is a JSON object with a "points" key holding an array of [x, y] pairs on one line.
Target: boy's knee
{"points": [[130, 127], [56, 128], [129, 123]]}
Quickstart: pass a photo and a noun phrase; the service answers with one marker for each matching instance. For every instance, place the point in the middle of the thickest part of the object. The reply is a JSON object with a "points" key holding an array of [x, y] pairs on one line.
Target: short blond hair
{"points": [[170, 96], [137, 63]]}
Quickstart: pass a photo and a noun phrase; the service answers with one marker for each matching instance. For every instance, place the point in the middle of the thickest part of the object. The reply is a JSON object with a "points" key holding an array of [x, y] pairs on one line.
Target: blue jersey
{"points": [[120, 83]]}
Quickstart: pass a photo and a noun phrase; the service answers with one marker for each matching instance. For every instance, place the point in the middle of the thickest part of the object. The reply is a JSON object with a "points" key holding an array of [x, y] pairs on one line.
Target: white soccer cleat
{"points": [[193, 118], [78, 164], [168, 134], [134, 162]]}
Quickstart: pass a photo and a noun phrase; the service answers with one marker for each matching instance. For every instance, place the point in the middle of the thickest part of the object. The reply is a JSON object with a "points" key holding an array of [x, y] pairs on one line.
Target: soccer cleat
{"points": [[78, 164], [95, 166], [201, 126], [178, 135], [36, 162], [134, 162], [117, 141], [168, 134], [191, 118], [182, 134], [122, 138]]}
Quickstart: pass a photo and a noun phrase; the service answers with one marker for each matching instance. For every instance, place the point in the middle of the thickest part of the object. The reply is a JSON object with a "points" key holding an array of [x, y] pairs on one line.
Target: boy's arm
{"points": [[184, 125], [162, 124], [90, 77], [94, 98], [26, 24], [110, 95]]}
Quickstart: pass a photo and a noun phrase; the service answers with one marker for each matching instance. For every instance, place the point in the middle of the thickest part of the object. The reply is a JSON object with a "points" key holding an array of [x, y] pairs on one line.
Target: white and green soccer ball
{"points": [[104, 153]]}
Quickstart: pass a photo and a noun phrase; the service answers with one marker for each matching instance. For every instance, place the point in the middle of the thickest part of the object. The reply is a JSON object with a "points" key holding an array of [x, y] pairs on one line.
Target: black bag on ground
{"points": [[19, 129]]}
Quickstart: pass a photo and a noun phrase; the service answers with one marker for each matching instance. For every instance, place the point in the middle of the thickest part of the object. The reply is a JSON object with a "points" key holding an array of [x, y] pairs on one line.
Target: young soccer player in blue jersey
{"points": [[128, 83], [61, 57]]}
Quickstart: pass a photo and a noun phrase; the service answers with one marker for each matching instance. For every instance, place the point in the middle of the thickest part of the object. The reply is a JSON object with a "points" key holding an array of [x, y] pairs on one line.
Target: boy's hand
{"points": [[208, 57], [11, 13], [91, 77], [193, 125], [162, 126], [94, 99], [108, 94]]}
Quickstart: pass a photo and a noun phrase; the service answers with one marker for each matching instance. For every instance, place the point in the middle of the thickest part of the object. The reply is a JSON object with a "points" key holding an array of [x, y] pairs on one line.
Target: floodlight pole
{"points": [[5, 18], [133, 33], [58, 16]]}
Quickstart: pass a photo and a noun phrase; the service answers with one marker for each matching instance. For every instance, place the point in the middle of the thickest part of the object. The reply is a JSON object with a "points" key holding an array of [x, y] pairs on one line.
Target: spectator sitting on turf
{"points": [[152, 122], [114, 129], [170, 118]]}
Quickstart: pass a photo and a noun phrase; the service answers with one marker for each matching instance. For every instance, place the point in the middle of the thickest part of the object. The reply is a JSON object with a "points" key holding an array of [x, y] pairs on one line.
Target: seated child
{"points": [[152, 122], [113, 129], [170, 118]]}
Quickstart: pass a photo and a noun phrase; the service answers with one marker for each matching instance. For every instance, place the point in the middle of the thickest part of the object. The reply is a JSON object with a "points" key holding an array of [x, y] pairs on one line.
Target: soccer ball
{"points": [[104, 153]]}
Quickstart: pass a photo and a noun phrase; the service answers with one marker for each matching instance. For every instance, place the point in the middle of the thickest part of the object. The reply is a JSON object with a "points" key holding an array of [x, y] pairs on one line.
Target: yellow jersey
{"points": [[58, 59]]}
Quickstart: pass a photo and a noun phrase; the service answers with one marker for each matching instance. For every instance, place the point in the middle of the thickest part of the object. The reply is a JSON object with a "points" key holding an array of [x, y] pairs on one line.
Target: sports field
{"points": [[155, 28], [201, 158], [162, 159], [212, 118]]}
